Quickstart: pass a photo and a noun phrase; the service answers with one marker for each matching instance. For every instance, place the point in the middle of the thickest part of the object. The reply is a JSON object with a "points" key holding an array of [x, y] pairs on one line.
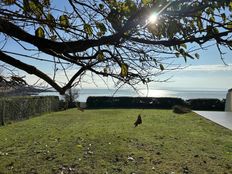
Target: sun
{"points": [[153, 18]]}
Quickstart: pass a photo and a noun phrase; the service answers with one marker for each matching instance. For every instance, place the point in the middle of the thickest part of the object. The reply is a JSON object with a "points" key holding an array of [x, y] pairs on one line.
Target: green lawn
{"points": [[105, 141]]}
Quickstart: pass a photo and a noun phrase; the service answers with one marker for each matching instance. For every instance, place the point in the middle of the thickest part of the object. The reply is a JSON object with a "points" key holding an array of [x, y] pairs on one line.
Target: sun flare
{"points": [[153, 18]]}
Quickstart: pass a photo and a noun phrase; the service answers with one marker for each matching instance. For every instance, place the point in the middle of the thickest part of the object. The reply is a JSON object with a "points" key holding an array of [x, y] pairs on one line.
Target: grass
{"points": [[105, 141]]}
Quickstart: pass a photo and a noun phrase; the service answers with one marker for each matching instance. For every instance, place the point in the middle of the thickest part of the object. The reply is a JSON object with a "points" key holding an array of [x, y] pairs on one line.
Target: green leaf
{"points": [[212, 19], [46, 3], [51, 22], [229, 25], [223, 16], [146, 2], [197, 55], [64, 22], [192, 24], [209, 11], [184, 46], [39, 32], [130, 7], [88, 29], [161, 67], [199, 24], [105, 70], [100, 56], [215, 31], [172, 28], [36, 8], [101, 27], [209, 29], [124, 70], [101, 6], [230, 6]]}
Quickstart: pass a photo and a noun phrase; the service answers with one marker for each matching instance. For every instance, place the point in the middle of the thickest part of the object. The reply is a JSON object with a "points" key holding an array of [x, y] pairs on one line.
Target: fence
{"points": [[19, 108]]}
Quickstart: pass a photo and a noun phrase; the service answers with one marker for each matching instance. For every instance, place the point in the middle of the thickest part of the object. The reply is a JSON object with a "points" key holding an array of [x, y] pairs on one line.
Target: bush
{"points": [[133, 102], [206, 104], [179, 109], [18, 108], [155, 103]]}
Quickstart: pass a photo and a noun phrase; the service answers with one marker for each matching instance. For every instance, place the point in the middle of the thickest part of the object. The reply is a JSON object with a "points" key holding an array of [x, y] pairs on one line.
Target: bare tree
{"points": [[110, 38], [70, 98]]}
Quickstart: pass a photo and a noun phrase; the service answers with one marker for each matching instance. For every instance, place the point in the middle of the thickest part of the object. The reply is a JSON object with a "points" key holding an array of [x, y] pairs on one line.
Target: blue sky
{"points": [[208, 72]]}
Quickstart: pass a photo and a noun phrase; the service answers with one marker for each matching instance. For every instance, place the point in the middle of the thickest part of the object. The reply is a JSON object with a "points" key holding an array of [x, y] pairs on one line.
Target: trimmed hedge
{"points": [[154, 103], [18, 108], [206, 104], [133, 102]]}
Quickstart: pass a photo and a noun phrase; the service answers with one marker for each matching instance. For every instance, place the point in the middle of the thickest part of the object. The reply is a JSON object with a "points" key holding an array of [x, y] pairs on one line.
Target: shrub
{"points": [[133, 102], [206, 104], [180, 109], [18, 108]]}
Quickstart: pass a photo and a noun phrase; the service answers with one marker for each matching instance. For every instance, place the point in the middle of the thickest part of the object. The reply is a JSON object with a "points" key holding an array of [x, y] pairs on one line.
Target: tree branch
{"points": [[30, 70], [168, 43], [59, 47], [69, 85]]}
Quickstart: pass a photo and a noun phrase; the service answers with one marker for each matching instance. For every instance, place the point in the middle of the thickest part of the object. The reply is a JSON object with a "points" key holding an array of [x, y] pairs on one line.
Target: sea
{"points": [[184, 94]]}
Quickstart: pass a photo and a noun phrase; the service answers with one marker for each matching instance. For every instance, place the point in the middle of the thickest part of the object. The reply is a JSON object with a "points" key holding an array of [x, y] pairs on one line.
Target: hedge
{"points": [[133, 102], [206, 104], [154, 102], [18, 108]]}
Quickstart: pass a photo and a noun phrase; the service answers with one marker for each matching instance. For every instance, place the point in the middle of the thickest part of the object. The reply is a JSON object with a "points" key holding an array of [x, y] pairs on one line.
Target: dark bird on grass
{"points": [[138, 121]]}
